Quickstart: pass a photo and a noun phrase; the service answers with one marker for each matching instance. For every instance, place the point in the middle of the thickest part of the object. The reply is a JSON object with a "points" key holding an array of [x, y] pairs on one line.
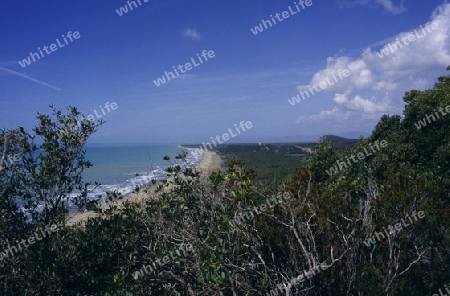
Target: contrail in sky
{"points": [[28, 77]]}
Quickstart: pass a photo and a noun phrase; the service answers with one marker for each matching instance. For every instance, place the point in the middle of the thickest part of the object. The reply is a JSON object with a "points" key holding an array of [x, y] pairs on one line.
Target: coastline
{"points": [[210, 162]]}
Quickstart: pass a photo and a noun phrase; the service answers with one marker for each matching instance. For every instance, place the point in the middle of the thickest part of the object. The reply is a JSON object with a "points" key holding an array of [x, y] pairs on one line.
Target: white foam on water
{"points": [[129, 185]]}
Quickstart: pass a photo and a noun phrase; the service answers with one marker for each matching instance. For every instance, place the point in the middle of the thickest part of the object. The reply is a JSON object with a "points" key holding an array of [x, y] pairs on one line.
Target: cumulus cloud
{"points": [[360, 75], [359, 104], [385, 79], [192, 33]]}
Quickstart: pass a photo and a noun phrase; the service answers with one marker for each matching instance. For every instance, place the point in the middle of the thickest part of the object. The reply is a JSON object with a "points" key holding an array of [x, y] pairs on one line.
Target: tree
{"points": [[49, 167]]}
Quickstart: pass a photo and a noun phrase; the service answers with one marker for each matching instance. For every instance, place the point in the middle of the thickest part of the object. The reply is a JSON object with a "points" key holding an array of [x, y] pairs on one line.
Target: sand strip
{"points": [[210, 162]]}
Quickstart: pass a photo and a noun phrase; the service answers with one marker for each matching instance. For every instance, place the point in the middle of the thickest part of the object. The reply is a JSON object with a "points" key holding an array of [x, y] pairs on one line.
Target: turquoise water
{"points": [[114, 164], [123, 167]]}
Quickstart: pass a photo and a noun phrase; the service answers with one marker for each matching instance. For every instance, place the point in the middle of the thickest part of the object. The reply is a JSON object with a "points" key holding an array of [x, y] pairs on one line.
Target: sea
{"points": [[123, 167]]}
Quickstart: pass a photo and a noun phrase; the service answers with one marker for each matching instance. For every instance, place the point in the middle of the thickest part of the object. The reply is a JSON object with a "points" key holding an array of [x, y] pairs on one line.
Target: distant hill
{"points": [[339, 142]]}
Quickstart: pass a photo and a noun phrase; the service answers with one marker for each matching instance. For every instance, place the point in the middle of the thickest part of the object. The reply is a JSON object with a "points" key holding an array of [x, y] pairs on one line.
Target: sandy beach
{"points": [[209, 163]]}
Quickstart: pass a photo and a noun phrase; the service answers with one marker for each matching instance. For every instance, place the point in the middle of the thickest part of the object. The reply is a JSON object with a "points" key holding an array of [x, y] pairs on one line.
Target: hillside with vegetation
{"points": [[379, 225]]}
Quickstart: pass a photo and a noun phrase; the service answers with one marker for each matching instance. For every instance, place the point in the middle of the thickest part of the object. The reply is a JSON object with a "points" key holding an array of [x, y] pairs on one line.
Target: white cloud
{"points": [[358, 104], [388, 5], [385, 80], [341, 98], [192, 33], [360, 75], [392, 8]]}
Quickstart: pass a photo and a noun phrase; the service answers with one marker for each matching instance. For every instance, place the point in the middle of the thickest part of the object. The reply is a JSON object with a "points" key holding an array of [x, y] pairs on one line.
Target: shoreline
{"points": [[210, 162]]}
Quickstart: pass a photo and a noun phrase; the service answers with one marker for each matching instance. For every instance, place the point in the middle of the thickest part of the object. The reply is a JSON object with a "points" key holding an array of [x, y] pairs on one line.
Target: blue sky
{"points": [[251, 78]]}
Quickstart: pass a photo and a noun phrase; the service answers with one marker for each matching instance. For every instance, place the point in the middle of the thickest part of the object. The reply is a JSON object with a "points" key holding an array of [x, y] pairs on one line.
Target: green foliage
{"points": [[47, 173], [271, 168], [240, 245]]}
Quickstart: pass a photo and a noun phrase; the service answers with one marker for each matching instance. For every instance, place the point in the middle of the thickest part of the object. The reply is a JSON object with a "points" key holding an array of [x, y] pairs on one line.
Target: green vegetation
{"points": [[276, 162], [326, 222], [273, 162]]}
